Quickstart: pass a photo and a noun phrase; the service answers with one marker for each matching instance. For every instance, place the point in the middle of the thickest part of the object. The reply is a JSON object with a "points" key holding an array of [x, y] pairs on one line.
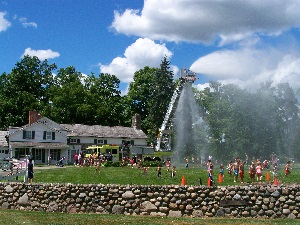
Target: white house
{"points": [[3, 144], [43, 137]]}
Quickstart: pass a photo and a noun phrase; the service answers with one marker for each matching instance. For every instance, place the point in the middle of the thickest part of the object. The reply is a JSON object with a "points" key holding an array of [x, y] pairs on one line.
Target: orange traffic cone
{"points": [[183, 181], [267, 176], [275, 181], [208, 182], [220, 179]]}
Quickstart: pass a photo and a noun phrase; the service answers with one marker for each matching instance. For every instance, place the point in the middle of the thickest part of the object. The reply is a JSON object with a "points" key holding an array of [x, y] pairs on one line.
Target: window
{"points": [[28, 134], [48, 135], [73, 140], [100, 142]]}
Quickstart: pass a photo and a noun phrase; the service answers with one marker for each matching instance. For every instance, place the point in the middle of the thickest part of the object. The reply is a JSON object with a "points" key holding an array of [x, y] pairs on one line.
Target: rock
{"points": [[291, 216], [128, 195], [24, 200], [9, 189], [160, 214], [5, 205], [220, 213], [118, 209], [174, 214], [148, 207], [53, 207], [197, 213]]}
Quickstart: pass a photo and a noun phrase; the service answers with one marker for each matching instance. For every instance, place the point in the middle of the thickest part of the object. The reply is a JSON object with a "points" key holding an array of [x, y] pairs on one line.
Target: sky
{"points": [[243, 42]]}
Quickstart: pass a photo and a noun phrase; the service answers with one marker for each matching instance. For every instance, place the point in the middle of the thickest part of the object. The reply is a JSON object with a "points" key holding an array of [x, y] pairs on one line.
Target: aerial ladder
{"points": [[166, 130]]}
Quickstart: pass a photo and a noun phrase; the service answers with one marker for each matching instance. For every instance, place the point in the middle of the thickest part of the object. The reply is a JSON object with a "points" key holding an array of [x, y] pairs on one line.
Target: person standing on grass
{"points": [[173, 172], [236, 167], [158, 171], [30, 171], [221, 173], [287, 168], [259, 171], [242, 171], [252, 171], [186, 163]]}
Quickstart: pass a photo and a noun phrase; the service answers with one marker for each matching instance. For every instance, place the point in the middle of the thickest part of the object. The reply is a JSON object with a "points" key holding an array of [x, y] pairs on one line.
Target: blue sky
{"points": [[244, 42]]}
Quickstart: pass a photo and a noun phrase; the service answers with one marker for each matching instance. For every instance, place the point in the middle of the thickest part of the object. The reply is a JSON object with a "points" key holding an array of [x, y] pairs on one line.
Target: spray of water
{"points": [[188, 128]]}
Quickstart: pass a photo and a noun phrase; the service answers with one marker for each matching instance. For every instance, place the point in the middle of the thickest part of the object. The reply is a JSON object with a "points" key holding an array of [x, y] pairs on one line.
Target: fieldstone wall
{"points": [[263, 201]]}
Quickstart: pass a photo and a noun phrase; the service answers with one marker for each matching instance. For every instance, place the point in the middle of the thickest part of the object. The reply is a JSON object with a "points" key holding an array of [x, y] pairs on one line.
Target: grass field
{"points": [[128, 175], [8, 217], [134, 176]]}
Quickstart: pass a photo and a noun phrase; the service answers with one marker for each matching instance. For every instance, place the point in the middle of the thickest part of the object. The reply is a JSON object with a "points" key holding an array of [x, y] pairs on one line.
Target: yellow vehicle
{"points": [[104, 150]]}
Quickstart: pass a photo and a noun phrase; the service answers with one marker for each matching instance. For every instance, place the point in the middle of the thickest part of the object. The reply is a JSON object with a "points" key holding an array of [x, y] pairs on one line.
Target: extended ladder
{"points": [[164, 136]]}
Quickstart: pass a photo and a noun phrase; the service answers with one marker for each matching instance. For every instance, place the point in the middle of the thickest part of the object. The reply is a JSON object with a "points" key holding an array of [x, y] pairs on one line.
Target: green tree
{"points": [[68, 97], [25, 88]]}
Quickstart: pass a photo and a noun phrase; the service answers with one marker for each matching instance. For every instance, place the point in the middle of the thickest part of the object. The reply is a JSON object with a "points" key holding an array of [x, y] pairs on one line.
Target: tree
{"points": [[25, 88], [109, 108], [140, 94], [164, 87], [68, 97]]}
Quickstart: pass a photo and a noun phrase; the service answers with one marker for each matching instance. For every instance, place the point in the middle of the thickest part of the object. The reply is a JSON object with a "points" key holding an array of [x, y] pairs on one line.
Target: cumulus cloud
{"points": [[249, 67], [207, 21], [4, 24], [41, 54], [143, 52]]}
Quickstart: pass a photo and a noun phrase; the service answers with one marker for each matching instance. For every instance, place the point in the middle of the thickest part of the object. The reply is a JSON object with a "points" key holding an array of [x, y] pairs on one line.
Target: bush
{"points": [[112, 164]]}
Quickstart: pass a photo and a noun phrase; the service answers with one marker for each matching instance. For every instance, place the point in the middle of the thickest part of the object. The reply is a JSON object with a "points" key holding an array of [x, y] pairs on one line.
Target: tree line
{"points": [[238, 121]]}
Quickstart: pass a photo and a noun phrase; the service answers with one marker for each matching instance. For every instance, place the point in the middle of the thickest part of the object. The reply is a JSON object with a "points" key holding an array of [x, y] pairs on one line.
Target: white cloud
{"points": [[143, 52], [249, 67], [41, 54], [4, 24], [25, 23], [206, 21]]}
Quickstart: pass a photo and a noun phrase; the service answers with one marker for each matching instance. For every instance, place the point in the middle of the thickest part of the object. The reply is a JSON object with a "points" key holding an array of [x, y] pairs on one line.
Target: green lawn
{"points": [[128, 175], [8, 217]]}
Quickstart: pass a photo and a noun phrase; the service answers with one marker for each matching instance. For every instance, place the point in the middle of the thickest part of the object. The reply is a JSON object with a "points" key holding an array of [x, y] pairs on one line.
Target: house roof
{"points": [[104, 131], [3, 142], [16, 144]]}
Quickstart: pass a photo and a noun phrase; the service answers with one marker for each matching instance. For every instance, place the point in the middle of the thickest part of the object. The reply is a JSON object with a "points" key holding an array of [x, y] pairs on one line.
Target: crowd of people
{"points": [[236, 169]]}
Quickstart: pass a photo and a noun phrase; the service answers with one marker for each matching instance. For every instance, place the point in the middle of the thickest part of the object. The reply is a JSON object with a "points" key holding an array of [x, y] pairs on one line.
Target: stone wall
{"points": [[265, 201]]}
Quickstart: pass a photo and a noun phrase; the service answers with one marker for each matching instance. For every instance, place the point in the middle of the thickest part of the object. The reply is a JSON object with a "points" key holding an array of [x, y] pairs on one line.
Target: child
{"points": [[242, 171], [259, 171], [173, 173], [158, 171], [229, 168], [222, 171], [252, 172], [186, 163], [168, 164], [275, 172], [145, 169], [287, 168]]}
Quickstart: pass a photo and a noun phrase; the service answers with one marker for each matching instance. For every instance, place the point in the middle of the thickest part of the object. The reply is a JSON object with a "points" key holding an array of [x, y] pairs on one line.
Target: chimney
{"points": [[34, 116], [137, 121]]}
